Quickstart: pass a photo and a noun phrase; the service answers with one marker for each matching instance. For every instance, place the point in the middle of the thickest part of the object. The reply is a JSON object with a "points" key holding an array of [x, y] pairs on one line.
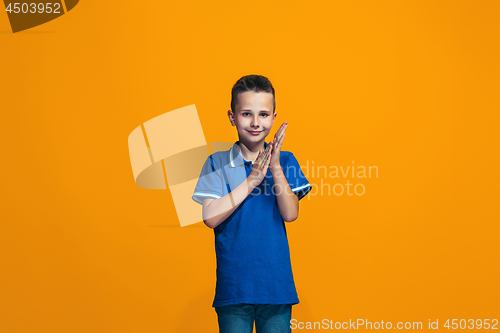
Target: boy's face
{"points": [[254, 116]]}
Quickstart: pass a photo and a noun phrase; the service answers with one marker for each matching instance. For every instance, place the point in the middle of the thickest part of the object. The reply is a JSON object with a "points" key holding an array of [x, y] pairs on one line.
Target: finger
{"points": [[277, 144], [258, 156], [270, 146], [285, 125], [282, 129], [277, 135], [264, 155], [266, 158], [270, 151], [281, 141], [266, 151]]}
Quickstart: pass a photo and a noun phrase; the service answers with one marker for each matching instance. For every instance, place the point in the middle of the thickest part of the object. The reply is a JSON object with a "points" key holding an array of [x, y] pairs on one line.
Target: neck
{"points": [[250, 151]]}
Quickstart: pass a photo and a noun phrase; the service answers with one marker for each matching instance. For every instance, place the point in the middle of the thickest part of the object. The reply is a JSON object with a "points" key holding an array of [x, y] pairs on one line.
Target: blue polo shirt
{"points": [[253, 257]]}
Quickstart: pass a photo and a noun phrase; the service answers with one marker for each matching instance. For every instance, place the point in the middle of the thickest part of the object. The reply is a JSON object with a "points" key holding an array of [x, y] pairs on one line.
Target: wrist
{"points": [[252, 183], [275, 170]]}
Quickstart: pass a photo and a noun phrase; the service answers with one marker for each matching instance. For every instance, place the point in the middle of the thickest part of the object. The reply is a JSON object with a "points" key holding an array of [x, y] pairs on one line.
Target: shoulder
{"points": [[218, 159], [222, 156], [286, 154], [286, 157]]}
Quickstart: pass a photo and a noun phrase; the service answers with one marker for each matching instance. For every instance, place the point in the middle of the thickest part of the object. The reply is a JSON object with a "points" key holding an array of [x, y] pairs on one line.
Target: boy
{"points": [[247, 193]]}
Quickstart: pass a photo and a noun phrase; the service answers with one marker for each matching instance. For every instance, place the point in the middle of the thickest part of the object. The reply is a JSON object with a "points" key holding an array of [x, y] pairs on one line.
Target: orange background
{"points": [[410, 87]]}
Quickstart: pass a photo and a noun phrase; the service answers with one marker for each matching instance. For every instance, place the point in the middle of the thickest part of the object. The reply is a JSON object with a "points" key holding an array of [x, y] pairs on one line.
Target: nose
{"points": [[255, 122]]}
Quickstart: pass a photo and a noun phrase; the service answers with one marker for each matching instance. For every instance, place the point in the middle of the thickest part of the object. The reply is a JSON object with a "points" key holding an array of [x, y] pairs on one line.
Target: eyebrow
{"points": [[259, 111]]}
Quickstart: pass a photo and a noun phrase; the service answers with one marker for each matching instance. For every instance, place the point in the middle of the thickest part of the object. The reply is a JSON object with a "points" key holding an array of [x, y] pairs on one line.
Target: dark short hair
{"points": [[256, 83]]}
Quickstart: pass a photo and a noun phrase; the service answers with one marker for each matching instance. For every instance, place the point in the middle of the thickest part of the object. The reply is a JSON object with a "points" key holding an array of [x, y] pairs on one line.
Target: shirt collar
{"points": [[235, 158]]}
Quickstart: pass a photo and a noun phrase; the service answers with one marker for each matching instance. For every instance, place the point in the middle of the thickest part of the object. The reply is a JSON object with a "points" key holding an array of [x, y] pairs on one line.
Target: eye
{"points": [[244, 113], [265, 114]]}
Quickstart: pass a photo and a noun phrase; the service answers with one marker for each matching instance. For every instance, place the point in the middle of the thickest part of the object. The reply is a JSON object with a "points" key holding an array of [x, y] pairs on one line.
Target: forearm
{"points": [[219, 210], [288, 202]]}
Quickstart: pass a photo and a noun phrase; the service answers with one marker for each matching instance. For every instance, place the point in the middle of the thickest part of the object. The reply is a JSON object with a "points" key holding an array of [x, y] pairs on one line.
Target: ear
{"points": [[275, 115], [231, 117]]}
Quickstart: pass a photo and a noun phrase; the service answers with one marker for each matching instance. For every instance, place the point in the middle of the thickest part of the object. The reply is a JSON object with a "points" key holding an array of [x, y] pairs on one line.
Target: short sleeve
{"points": [[296, 178], [209, 183]]}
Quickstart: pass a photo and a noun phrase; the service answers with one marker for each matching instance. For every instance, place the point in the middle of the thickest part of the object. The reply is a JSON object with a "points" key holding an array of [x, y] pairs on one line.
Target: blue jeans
{"points": [[269, 318]]}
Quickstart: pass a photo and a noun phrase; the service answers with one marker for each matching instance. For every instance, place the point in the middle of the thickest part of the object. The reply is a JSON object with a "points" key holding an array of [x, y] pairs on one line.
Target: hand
{"points": [[276, 143], [259, 167]]}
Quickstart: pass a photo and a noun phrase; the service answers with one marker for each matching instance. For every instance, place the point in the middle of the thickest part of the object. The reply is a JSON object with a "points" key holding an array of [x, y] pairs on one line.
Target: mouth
{"points": [[255, 132]]}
